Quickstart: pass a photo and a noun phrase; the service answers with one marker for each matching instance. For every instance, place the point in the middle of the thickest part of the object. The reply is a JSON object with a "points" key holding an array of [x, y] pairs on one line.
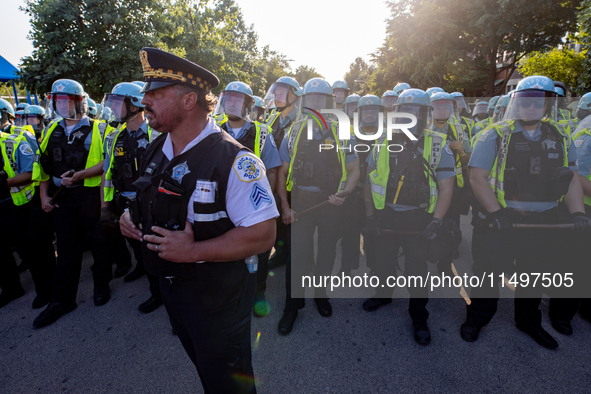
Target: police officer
{"points": [[72, 142], [408, 190], [313, 176], [400, 87], [124, 149], [491, 108], [284, 94], [583, 107], [480, 115], [350, 105], [206, 206], [236, 103], [259, 109], [17, 191], [432, 91], [465, 115], [389, 100], [445, 120], [341, 91], [368, 112], [562, 102], [501, 107], [35, 117], [92, 108], [519, 169]]}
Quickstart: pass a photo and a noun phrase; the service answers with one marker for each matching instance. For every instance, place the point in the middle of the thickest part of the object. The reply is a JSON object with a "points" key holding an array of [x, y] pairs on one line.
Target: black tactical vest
{"points": [[415, 186], [127, 158], [209, 162], [313, 167], [248, 139], [531, 164], [66, 153], [279, 131]]}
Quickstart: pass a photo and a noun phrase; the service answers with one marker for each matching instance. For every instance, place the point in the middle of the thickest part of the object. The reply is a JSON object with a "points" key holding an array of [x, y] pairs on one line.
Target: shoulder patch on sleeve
{"points": [[484, 135], [578, 143], [447, 149], [259, 195], [247, 168], [25, 149]]}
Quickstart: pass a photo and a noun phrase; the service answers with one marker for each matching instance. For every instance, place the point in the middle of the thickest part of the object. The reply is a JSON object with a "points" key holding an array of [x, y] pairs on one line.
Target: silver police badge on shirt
{"points": [[77, 134], [178, 172], [550, 144], [143, 143]]}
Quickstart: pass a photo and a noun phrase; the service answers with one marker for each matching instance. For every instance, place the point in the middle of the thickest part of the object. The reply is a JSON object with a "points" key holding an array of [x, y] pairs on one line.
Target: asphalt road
{"points": [[116, 349]]}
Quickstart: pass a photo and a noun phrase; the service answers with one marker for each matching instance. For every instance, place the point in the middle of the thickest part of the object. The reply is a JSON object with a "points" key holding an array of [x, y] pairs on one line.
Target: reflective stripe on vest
{"points": [[95, 155], [496, 178], [292, 147], [459, 136], [9, 143], [576, 136], [433, 144]]}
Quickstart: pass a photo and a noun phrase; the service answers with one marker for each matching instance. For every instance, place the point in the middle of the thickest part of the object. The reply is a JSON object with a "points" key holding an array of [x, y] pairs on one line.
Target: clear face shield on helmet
{"points": [[35, 121], [350, 109], [67, 106], [480, 111], [340, 95], [389, 102], [281, 95], [461, 106], [19, 119], [444, 110], [235, 105], [117, 108], [531, 106], [317, 101], [423, 114], [369, 118]]}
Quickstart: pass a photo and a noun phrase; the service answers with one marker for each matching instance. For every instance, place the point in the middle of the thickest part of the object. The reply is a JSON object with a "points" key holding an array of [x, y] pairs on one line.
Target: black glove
{"points": [[372, 227], [431, 231], [499, 220], [108, 218], [581, 221]]}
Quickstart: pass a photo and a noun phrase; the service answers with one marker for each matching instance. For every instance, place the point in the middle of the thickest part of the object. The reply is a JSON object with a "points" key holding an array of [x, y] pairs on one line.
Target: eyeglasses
{"points": [[526, 103]]}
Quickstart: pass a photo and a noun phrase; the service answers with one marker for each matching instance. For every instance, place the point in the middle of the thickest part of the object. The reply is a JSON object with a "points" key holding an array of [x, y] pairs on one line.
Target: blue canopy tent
{"points": [[8, 74]]}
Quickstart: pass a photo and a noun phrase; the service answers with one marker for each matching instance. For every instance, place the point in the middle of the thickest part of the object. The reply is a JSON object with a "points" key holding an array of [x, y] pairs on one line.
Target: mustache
{"points": [[148, 109]]}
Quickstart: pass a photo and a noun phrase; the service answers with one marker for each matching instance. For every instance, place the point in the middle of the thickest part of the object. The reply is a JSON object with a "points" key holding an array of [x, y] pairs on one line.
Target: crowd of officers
{"points": [[68, 173]]}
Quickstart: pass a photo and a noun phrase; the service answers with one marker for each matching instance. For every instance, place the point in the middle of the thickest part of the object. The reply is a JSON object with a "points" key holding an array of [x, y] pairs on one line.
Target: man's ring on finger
{"points": [[157, 247]]}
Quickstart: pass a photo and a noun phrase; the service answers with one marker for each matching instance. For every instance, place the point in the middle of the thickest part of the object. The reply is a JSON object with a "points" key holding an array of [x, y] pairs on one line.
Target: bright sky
{"points": [[325, 34]]}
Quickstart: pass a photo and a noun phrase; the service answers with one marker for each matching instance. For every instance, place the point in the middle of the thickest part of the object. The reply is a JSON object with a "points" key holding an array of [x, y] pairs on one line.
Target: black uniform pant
{"points": [[387, 247], [326, 220], [352, 224], [533, 250], [218, 343], [75, 221], [136, 246], [23, 229], [283, 238]]}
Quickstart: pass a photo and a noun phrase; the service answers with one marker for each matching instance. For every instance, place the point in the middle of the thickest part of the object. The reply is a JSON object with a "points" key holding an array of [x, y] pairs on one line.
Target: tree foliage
{"points": [[563, 65], [584, 18], [92, 41], [304, 73], [457, 44], [361, 72], [97, 42]]}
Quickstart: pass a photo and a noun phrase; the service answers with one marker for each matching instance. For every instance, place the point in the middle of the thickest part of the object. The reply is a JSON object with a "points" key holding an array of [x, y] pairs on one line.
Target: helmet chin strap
{"points": [[286, 105], [130, 114], [529, 122]]}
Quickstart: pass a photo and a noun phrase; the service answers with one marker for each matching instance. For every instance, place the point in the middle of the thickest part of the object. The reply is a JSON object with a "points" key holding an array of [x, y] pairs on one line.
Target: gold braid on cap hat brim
{"points": [[179, 76]]}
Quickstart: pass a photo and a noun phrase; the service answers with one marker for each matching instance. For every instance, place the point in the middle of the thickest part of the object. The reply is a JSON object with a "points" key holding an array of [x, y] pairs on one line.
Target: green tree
{"points": [[448, 42], [95, 42], [563, 65], [584, 18], [304, 73], [361, 72]]}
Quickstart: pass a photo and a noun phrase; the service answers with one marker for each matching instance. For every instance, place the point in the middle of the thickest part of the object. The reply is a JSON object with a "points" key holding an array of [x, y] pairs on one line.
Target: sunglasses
{"points": [[526, 103]]}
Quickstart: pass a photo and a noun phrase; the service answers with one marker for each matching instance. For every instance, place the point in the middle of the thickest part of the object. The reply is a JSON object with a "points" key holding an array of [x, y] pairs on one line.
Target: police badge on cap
{"points": [[163, 69]]}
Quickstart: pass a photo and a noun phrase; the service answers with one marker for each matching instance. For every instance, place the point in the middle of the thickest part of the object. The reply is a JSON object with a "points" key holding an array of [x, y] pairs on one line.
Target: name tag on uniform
{"points": [[205, 192]]}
